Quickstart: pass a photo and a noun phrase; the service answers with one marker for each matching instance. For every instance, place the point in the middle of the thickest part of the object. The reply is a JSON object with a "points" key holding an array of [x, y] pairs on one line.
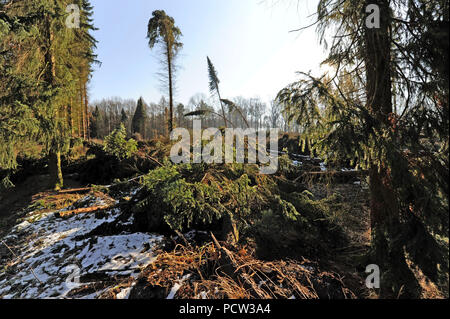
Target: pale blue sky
{"points": [[248, 41]]}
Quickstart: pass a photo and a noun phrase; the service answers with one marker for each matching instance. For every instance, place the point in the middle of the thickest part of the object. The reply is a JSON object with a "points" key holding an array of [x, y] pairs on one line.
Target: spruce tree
{"points": [[96, 122], [214, 87], [385, 109], [123, 117], [140, 118]]}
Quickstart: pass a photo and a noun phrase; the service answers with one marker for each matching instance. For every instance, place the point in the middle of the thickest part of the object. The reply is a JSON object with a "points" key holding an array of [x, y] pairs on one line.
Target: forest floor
{"points": [[83, 242], [45, 254], [28, 193]]}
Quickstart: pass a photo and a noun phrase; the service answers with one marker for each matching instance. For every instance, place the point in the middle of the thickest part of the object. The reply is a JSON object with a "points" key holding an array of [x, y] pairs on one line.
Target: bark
{"points": [[82, 113], [86, 111], [169, 62], [83, 211], [167, 120], [55, 171], [79, 133], [76, 190], [71, 123], [56, 177], [223, 109], [230, 231]]}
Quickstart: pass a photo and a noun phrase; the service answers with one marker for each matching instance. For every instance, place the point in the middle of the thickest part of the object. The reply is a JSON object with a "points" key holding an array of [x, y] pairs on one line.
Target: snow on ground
{"points": [[53, 258]]}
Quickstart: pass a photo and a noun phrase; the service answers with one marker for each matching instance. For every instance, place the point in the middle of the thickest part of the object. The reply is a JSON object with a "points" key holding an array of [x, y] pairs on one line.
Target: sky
{"points": [[248, 41]]}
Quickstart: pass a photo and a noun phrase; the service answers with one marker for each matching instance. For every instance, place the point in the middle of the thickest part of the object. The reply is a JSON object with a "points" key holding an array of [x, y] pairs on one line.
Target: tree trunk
{"points": [[55, 171], [166, 120], [82, 110], [223, 109], [387, 247], [56, 177], [387, 250], [86, 111], [72, 130], [169, 62], [79, 117]]}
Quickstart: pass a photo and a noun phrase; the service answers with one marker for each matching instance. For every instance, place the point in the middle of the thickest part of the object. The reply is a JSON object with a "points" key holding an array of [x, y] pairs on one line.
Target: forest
{"points": [[93, 204]]}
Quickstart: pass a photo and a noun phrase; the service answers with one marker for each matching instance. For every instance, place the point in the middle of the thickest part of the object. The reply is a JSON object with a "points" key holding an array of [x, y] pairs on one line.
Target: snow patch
{"points": [[52, 247]]}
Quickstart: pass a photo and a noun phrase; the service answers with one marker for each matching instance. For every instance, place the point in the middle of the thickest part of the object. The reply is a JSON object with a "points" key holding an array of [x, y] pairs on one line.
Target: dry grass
{"points": [[229, 273]]}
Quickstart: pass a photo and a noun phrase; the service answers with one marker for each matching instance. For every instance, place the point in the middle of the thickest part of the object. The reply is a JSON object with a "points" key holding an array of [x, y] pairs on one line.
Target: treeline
{"points": [[46, 58], [151, 120], [147, 121]]}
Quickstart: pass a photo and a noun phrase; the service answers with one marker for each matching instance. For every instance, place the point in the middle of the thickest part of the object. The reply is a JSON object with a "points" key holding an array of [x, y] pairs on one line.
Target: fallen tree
{"points": [[332, 176]]}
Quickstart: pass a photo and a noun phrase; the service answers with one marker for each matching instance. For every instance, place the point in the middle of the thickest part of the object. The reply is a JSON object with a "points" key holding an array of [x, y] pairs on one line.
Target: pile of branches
{"points": [[222, 271]]}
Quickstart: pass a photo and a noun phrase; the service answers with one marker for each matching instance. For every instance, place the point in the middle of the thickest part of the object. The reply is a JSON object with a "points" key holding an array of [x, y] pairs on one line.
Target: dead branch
{"points": [[76, 190], [29, 267], [83, 211]]}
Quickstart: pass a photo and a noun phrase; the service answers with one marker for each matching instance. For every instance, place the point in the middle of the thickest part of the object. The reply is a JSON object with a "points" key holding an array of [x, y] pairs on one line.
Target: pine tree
{"points": [[386, 110], [163, 32], [139, 119], [214, 87]]}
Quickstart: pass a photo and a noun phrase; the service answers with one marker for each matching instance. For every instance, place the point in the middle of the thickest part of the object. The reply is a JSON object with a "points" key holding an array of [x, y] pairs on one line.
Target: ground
{"points": [[48, 251], [26, 193], [51, 253], [82, 243]]}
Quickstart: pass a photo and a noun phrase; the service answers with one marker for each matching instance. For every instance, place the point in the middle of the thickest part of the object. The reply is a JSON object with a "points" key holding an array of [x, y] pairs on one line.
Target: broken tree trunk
{"points": [[83, 211], [76, 190], [332, 176]]}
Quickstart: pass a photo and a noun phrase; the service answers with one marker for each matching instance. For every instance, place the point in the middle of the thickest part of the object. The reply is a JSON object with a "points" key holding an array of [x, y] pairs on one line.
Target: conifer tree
{"points": [[214, 87], [96, 121], [123, 117], [17, 121], [139, 119], [163, 32], [386, 109], [41, 58]]}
